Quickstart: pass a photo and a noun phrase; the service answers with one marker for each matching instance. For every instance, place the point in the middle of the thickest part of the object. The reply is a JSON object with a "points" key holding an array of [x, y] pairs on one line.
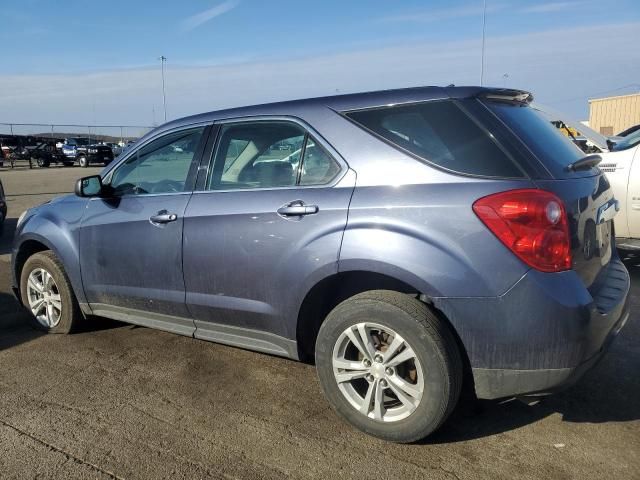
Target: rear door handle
{"points": [[163, 217], [297, 210]]}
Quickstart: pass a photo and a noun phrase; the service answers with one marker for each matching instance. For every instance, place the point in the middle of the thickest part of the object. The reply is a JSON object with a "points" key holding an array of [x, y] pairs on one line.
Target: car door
{"points": [[266, 224], [131, 238]]}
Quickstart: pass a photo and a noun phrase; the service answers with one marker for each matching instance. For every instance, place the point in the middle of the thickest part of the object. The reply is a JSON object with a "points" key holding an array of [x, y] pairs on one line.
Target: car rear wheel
{"points": [[42, 163], [388, 365], [83, 162], [46, 292]]}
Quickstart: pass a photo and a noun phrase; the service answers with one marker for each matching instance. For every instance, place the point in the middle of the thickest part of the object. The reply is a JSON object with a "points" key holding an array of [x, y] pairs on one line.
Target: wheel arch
{"points": [[60, 244], [27, 249], [334, 289]]}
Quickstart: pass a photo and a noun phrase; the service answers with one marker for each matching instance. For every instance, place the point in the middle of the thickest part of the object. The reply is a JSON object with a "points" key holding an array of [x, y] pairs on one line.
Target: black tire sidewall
{"points": [[433, 406], [44, 260], [83, 162]]}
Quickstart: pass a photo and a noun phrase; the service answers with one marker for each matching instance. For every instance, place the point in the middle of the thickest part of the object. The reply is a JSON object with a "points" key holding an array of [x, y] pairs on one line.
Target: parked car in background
{"points": [[127, 146], [20, 154], [86, 151], [418, 241], [115, 148], [45, 153], [622, 165], [628, 131], [620, 160], [3, 208]]}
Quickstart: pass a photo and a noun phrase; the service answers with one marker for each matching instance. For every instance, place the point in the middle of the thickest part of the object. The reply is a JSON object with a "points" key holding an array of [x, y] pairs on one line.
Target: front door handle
{"points": [[297, 209], [163, 217]]}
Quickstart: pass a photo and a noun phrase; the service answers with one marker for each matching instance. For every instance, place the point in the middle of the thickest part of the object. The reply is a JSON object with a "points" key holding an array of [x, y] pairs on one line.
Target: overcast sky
{"points": [[96, 62]]}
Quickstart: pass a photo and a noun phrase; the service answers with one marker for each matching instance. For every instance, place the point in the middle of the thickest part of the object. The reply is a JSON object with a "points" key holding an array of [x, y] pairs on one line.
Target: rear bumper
{"points": [[543, 334], [500, 383]]}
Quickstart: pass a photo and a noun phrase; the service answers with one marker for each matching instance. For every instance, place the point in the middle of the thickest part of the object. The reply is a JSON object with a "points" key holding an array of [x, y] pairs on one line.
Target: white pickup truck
{"points": [[621, 162]]}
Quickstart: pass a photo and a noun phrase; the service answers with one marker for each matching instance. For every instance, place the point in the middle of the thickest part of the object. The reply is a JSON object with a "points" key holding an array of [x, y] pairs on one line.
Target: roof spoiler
{"points": [[507, 95]]}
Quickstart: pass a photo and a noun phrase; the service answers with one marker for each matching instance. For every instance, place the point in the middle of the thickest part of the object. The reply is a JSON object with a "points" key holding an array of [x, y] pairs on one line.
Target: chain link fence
{"points": [[30, 144], [106, 133]]}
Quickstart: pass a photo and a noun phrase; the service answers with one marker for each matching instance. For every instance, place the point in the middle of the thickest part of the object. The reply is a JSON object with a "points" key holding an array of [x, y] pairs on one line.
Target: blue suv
{"points": [[408, 241]]}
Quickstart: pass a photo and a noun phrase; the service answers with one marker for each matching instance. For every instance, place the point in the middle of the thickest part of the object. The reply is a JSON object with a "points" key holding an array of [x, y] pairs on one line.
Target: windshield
{"points": [[82, 141], [627, 142]]}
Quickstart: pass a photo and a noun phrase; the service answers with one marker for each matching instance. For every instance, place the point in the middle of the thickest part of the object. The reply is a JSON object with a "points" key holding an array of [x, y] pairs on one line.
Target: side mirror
{"points": [[89, 186]]}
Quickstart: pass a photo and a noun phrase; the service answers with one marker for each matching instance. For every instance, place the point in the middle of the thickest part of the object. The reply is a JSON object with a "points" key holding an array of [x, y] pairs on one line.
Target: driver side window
{"points": [[161, 166]]}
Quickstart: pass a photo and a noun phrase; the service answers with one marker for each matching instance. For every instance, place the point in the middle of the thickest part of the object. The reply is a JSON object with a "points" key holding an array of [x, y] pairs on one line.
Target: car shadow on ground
{"points": [[603, 395], [19, 329], [13, 323], [16, 327]]}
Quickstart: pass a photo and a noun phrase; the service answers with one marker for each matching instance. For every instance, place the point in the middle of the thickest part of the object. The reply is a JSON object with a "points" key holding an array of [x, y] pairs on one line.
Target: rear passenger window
{"points": [[441, 133], [269, 155], [318, 167]]}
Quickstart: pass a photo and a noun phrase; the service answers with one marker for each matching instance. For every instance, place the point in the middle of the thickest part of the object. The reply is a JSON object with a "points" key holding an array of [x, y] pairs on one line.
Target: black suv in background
{"points": [[86, 151]]}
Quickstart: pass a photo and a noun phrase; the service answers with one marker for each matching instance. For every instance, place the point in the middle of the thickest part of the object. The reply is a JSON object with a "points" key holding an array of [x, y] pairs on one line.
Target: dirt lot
{"points": [[117, 401]]}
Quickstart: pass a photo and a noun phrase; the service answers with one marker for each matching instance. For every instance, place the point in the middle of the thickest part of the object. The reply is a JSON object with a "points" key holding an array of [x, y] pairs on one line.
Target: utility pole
{"points": [[484, 25], [163, 59]]}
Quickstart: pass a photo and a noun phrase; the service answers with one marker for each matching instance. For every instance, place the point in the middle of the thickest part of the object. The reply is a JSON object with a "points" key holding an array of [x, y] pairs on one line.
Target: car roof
{"points": [[342, 103]]}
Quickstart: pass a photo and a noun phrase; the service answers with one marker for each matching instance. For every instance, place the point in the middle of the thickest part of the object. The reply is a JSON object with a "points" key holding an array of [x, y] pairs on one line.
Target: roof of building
{"points": [[613, 97]]}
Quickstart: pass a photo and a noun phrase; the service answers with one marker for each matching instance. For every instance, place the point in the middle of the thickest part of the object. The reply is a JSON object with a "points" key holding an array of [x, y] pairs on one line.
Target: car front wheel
{"points": [[46, 292], [83, 162], [388, 365]]}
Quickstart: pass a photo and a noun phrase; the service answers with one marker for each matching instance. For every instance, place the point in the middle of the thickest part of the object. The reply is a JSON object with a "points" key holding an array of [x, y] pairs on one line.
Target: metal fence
{"points": [[114, 133]]}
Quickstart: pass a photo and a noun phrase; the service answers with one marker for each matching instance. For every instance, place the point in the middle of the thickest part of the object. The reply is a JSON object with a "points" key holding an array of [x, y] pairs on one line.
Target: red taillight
{"points": [[532, 224]]}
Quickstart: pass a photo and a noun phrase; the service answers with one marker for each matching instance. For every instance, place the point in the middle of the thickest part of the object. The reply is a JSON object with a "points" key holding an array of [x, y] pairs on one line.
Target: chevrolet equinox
{"points": [[406, 241]]}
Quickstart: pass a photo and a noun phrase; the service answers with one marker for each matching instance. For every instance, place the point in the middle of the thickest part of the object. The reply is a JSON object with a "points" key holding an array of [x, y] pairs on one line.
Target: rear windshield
{"points": [[441, 133], [547, 143]]}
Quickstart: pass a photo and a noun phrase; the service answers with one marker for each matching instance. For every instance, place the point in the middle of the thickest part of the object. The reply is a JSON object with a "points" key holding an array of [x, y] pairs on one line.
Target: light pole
{"points": [[164, 97], [505, 76], [484, 24]]}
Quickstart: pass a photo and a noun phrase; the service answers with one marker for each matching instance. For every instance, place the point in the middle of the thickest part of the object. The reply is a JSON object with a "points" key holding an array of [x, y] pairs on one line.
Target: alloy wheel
{"points": [[44, 298], [378, 372]]}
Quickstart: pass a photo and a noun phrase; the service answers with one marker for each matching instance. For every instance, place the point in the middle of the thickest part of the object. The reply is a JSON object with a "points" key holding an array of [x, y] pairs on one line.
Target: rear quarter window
{"points": [[440, 133]]}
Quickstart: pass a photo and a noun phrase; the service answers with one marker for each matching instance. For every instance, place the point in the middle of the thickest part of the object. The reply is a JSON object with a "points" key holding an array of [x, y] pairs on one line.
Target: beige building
{"points": [[611, 115]]}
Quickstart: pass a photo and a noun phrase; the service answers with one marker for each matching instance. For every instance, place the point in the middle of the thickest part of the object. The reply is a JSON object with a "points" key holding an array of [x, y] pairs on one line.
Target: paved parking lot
{"points": [[117, 401]]}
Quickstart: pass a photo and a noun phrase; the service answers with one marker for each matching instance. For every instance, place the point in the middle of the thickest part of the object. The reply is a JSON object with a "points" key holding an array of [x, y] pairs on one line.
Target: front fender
{"points": [[56, 226]]}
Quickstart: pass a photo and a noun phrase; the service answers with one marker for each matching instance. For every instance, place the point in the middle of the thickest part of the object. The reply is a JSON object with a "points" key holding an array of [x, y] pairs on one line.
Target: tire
{"points": [[83, 162], [42, 163], [435, 368], [68, 315]]}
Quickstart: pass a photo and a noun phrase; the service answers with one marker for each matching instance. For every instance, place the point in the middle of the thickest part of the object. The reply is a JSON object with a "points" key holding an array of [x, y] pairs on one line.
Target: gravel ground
{"points": [[118, 401]]}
